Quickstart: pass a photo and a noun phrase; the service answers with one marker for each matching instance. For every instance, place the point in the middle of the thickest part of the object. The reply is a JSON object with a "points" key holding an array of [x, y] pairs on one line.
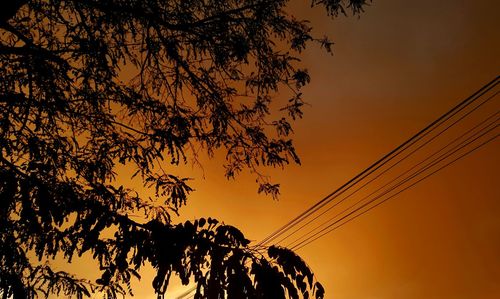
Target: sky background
{"points": [[394, 70]]}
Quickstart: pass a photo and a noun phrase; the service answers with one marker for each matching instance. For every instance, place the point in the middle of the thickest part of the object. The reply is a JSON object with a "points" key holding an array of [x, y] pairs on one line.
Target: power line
{"points": [[389, 168], [382, 161], [471, 139], [485, 128], [402, 190]]}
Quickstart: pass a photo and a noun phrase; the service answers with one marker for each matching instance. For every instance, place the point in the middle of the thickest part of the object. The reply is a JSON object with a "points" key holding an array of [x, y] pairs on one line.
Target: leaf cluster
{"points": [[90, 86]]}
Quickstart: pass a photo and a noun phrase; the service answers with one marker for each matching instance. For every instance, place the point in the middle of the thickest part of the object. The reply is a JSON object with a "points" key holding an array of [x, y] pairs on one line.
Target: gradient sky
{"points": [[394, 70]]}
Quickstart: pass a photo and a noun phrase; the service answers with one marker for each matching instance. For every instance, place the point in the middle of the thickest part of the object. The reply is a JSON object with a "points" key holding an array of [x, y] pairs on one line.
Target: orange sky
{"points": [[394, 70]]}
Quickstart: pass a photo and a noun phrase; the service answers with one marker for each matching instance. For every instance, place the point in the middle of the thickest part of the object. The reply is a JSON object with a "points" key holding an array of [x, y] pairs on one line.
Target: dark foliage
{"points": [[205, 75]]}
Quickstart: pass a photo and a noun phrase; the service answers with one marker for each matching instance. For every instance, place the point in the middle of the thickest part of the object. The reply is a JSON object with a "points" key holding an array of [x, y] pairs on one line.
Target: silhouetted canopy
{"points": [[90, 85]]}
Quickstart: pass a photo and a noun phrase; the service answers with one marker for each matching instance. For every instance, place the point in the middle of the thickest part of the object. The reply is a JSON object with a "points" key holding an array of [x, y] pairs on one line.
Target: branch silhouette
{"points": [[91, 86]]}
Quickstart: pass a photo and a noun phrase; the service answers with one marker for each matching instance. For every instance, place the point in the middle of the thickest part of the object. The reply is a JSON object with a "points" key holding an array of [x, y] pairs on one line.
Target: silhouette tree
{"points": [[204, 75]]}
